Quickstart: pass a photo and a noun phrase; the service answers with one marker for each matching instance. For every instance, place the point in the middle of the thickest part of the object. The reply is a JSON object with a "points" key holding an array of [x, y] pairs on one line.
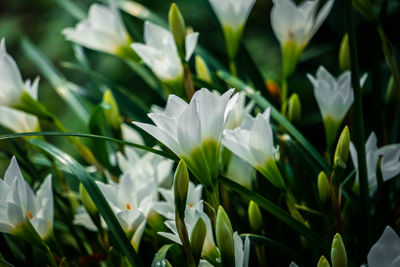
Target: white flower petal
{"points": [[189, 129], [386, 250], [190, 44]]}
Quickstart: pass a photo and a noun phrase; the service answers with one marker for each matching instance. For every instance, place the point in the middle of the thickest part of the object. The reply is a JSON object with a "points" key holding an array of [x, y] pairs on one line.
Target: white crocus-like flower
{"points": [[386, 251], [242, 253], [232, 14], [12, 87], [131, 202], [297, 24], [390, 164], [20, 206], [334, 98], [193, 211], [103, 30], [160, 53], [193, 131], [253, 142]]}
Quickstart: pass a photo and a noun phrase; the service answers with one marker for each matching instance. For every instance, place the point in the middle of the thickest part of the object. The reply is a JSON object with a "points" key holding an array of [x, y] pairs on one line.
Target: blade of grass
{"points": [[96, 195], [279, 213], [105, 138], [275, 114], [64, 88]]}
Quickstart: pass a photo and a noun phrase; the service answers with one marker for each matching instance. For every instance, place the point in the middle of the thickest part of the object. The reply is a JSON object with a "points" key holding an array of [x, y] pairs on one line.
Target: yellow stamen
{"points": [[191, 205], [128, 206], [30, 215]]}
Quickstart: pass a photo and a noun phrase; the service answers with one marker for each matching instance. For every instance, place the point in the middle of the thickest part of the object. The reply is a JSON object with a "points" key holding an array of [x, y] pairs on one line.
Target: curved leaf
{"points": [[160, 259]]}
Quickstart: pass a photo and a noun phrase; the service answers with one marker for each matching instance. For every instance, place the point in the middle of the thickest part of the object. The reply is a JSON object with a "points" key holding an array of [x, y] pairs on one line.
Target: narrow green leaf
{"points": [[97, 197], [105, 138], [278, 247], [64, 88], [3, 261], [160, 259], [279, 213], [263, 103], [72, 8]]}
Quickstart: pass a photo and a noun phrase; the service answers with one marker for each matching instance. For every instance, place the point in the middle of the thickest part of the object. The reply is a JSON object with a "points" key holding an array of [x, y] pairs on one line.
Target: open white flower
{"points": [[390, 164], [334, 98], [242, 253], [131, 202], [12, 86], [297, 24], [193, 131], [386, 251], [20, 206], [253, 142], [103, 30], [232, 14], [160, 53]]}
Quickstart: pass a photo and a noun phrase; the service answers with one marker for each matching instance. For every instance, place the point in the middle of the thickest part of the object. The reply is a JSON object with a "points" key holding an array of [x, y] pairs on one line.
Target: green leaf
{"points": [[97, 197], [278, 247], [67, 90], [279, 213], [3, 262], [160, 259], [105, 138], [72, 8], [275, 114]]}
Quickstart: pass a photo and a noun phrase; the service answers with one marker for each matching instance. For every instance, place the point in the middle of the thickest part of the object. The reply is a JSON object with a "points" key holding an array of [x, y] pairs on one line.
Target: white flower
{"points": [[390, 164], [131, 202], [242, 253], [103, 30], [193, 131], [298, 24], [193, 211], [232, 13], [83, 218], [238, 112], [19, 205], [11, 84], [334, 96], [254, 143], [18, 121], [386, 251], [160, 52]]}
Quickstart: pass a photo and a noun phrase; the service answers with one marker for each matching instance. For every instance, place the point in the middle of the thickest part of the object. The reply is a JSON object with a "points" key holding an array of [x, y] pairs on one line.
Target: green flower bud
{"points": [[202, 70], [181, 186], [338, 252], [323, 187], [294, 108], [255, 217], [323, 262], [87, 200], [342, 149], [344, 54], [224, 236], [197, 238], [112, 113], [178, 29]]}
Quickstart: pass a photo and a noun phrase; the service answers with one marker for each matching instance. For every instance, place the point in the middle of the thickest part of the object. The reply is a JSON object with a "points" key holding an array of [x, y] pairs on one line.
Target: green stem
{"points": [[232, 67], [358, 128], [284, 90], [50, 257], [188, 82]]}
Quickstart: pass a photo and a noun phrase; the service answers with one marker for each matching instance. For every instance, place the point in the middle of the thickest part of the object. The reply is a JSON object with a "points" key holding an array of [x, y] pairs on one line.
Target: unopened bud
{"points": [[294, 108], [323, 262], [338, 252], [197, 238], [323, 187], [255, 217], [181, 185], [112, 112], [224, 236], [202, 70], [87, 200], [178, 29], [344, 54], [342, 149]]}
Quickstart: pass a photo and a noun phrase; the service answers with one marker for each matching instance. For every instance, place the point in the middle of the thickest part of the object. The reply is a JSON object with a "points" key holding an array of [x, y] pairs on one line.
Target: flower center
{"points": [[190, 205], [128, 207], [30, 215]]}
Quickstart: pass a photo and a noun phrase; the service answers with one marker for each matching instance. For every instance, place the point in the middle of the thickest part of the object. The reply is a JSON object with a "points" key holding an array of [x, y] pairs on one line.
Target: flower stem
{"points": [[232, 67], [50, 257], [284, 90], [358, 128], [188, 82]]}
